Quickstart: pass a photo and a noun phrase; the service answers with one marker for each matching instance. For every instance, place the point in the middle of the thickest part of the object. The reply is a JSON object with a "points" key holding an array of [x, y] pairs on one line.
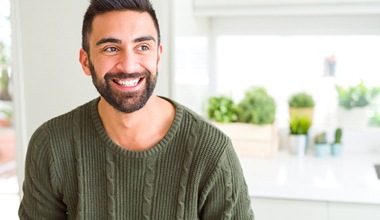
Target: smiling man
{"points": [[130, 154]]}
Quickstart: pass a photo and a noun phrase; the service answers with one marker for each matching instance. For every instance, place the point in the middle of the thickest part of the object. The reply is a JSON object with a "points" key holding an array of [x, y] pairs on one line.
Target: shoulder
{"points": [[207, 141], [197, 125]]}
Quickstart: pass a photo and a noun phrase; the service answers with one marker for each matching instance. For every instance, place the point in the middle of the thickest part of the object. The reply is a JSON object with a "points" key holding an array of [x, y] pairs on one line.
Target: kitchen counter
{"points": [[349, 178]]}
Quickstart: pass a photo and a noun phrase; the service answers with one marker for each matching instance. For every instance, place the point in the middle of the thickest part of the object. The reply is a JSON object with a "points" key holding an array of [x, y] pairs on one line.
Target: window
{"points": [[8, 178], [285, 54], [191, 68], [289, 64]]}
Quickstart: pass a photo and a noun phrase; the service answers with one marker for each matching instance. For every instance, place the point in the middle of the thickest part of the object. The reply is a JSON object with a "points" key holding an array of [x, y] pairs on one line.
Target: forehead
{"points": [[123, 24]]}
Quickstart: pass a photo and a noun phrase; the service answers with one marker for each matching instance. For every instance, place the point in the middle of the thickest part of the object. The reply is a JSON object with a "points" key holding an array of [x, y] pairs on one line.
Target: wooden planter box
{"points": [[252, 140]]}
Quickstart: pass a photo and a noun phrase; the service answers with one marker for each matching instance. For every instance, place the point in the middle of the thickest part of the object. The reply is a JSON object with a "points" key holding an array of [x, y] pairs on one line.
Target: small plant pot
{"points": [[336, 149], [298, 144], [308, 112], [321, 150], [5, 123]]}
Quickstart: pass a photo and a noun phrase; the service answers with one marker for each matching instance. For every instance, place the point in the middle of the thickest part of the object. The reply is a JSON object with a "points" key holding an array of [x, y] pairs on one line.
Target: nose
{"points": [[128, 62]]}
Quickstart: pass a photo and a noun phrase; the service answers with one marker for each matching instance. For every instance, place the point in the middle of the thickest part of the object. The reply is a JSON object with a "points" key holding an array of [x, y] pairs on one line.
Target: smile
{"points": [[127, 82]]}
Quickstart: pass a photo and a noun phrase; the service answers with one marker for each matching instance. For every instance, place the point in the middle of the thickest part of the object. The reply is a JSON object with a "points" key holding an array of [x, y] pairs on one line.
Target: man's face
{"points": [[123, 58]]}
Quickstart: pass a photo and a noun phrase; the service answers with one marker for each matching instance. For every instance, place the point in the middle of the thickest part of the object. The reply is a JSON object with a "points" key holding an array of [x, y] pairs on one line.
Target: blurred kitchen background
{"points": [[328, 50]]}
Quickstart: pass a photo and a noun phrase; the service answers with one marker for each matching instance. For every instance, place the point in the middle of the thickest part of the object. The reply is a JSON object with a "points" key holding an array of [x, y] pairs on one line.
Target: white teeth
{"points": [[128, 82]]}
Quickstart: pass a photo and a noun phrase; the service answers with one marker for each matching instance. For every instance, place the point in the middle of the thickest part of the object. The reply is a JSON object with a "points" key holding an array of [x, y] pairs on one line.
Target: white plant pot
{"points": [[298, 144]]}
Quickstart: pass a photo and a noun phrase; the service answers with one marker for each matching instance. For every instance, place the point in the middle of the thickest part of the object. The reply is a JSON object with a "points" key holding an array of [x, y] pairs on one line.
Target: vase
{"points": [[336, 149], [297, 144], [321, 150]]}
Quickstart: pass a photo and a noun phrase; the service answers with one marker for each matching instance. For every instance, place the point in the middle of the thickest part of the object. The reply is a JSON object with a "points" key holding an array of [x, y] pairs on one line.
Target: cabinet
{"points": [[274, 209], [348, 211], [215, 8]]}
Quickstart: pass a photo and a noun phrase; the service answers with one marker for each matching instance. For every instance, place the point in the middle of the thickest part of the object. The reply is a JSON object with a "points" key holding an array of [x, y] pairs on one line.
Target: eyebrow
{"points": [[118, 41], [144, 38], [108, 40]]}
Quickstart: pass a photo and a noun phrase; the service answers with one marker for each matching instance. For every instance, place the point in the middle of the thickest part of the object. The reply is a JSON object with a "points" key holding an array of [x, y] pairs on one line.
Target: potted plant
{"points": [[356, 96], [353, 105], [321, 146], [301, 103], [4, 76], [336, 146], [256, 113], [299, 126], [374, 120], [4, 85], [221, 109], [252, 131], [6, 116], [257, 107]]}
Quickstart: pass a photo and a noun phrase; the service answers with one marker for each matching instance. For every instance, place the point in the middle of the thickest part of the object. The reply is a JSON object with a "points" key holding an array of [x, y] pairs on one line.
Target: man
{"points": [[130, 154]]}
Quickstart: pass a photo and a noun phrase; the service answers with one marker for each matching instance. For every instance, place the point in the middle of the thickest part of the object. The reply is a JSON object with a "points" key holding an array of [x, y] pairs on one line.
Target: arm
{"points": [[41, 198], [226, 194]]}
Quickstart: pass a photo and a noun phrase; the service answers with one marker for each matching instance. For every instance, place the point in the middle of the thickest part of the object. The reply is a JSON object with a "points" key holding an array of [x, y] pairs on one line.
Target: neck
{"points": [[139, 130], [112, 117]]}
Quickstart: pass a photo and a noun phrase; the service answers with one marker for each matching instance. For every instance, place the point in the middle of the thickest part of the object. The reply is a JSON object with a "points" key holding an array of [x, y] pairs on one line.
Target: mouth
{"points": [[128, 83]]}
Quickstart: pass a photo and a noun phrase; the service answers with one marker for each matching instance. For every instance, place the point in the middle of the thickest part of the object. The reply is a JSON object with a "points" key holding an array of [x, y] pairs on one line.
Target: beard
{"points": [[126, 102]]}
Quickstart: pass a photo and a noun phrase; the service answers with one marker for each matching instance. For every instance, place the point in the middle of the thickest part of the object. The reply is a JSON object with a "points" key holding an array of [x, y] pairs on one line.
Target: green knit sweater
{"points": [[74, 171]]}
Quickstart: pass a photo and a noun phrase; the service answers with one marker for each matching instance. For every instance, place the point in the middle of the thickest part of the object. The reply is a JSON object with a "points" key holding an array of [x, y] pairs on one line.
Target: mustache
{"points": [[122, 75]]}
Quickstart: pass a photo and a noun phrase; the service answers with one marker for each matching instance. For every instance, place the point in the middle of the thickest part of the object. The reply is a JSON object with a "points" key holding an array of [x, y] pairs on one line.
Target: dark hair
{"points": [[98, 7]]}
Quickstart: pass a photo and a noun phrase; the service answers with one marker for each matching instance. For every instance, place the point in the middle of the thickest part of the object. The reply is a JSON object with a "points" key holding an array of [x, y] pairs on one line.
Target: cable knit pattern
{"points": [[185, 172], [228, 183], [78, 161], [148, 190], [75, 171], [110, 187]]}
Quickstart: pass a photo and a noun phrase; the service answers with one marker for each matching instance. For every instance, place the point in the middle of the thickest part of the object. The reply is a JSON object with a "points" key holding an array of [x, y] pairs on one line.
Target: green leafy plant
{"points": [[374, 120], [4, 85], [257, 107], [301, 100], [7, 112], [4, 77], [320, 138], [222, 109], [6, 116], [299, 125], [338, 136], [356, 96]]}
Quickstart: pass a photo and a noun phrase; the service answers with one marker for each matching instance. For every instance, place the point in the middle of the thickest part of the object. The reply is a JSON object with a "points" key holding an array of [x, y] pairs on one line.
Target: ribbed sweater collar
{"points": [[161, 145]]}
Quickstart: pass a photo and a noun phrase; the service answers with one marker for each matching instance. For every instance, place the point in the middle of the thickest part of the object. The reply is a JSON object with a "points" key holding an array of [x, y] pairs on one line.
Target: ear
{"points": [[84, 61], [159, 54]]}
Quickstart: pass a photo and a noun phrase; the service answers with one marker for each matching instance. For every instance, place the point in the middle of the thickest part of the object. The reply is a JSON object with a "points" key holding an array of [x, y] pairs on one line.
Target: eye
{"points": [[110, 49], [143, 48]]}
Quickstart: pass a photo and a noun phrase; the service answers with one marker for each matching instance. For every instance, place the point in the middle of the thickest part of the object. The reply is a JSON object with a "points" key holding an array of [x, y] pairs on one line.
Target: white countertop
{"points": [[349, 178]]}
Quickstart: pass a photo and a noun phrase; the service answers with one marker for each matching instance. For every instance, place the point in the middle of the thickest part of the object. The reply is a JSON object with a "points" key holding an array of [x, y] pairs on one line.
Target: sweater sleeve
{"points": [[226, 194], [41, 199]]}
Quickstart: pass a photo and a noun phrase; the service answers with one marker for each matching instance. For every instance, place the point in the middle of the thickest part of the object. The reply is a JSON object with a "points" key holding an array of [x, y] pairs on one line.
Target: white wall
{"points": [[164, 12], [48, 78], [50, 38]]}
